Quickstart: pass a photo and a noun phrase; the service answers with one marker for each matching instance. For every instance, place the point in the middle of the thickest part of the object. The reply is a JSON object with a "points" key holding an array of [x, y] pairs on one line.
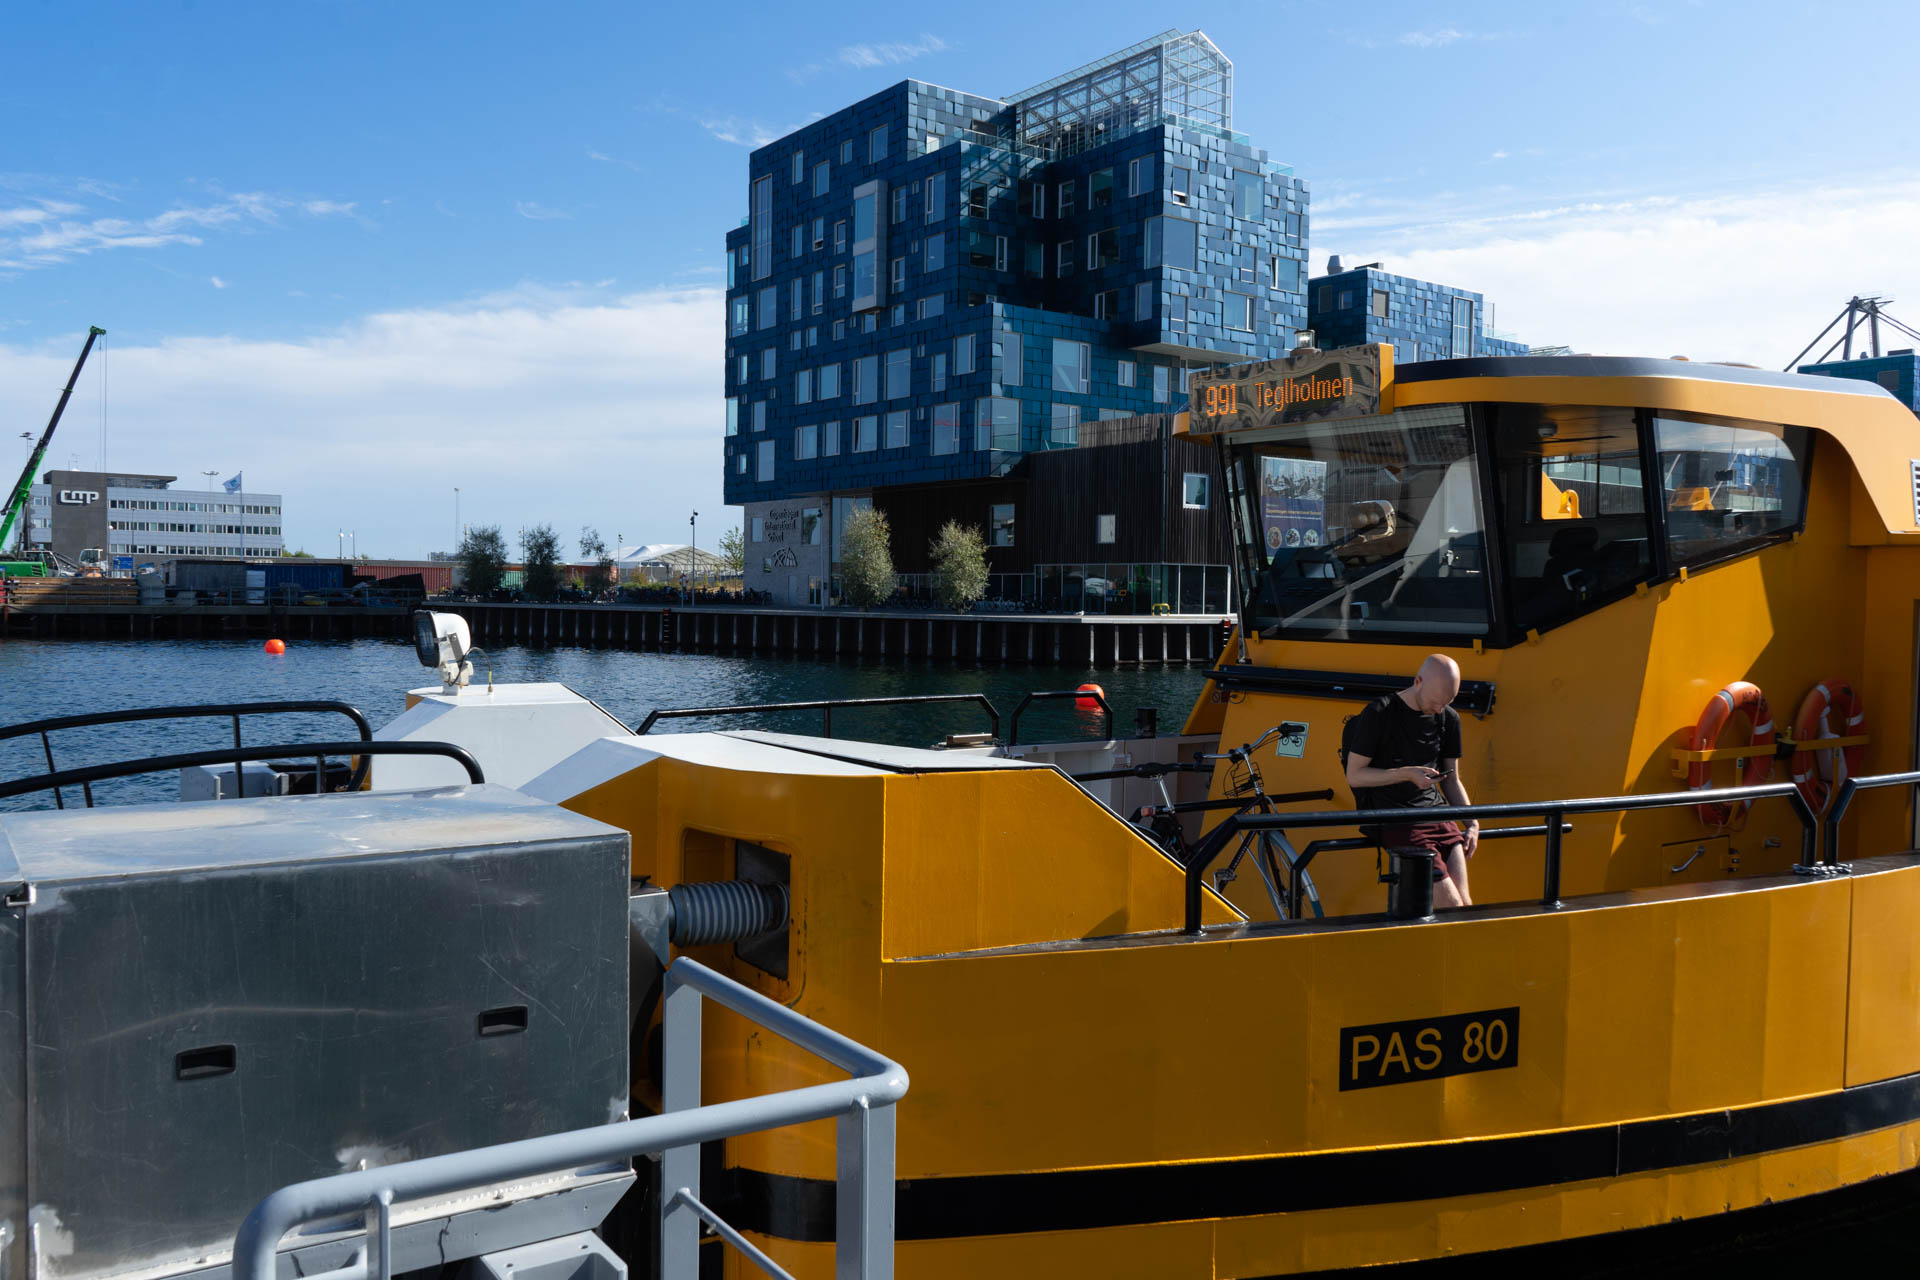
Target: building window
{"points": [[899, 313], [1196, 490], [1177, 313], [798, 292], [846, 151], [793, 340], [866, 379], [798, 232], [1249, 190], [769, 308], [742, 315], [936, 197], [946, 428], [963, 354], [1286, 274], [1000, 253], [1171, 242], [829, 381], [757, 529], [1126, 372], [840, 236], [899, 204], [996, 424], [1012, 359], [1063, 202], [1407, 352], [1072, 366], [1036, 256], [1063, 259], [839, 282], [1462, 328], [762, 220], [899, 373], [1037, 200], [1103, 529], [799, 167], [763, 472], [939, 371], [1143, 301], [936, 251], [1160, 389], [897, 275], [1100, 189], [1380, 303], [876, 144], [759, 415], [1106, 305], [769, 363], [819, 292], [1240, 312], [803, 387], [866, 215], [932, 305], [1063, 426], [839, 330], [821, 174], [733, 415], [897, 429], [1103, 248], [829, 439], [1000, 524], [819, 233], [806, 441], [1140, 176], [866, 435], [1179, 181]]}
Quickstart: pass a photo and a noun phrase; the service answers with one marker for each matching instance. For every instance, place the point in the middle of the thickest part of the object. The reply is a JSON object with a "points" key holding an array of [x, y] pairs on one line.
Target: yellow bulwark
{"points": [[1693, 1030]]}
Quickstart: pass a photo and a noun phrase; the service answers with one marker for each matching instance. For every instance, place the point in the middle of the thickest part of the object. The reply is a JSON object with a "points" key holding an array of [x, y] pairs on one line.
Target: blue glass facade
{"points": [[1897, 371], [1423, 320], [930, 284]]}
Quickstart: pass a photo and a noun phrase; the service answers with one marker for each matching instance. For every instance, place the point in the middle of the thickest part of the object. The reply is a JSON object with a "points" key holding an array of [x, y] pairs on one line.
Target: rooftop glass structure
{"points": [[1176, 78]]}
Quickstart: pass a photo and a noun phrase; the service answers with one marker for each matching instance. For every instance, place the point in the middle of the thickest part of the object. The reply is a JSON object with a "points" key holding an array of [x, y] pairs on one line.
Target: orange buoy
{"points": [[1812, 724], [276, 646], [1090, 696], [1746, 699]]}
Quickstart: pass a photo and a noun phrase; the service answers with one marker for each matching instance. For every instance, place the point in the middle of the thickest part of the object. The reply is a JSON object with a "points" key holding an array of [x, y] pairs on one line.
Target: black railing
{"points": [[826, 708], [1843, 800], [230, 710], [1013, 726], [1553, 813], [1334, 844], [319, 751]]}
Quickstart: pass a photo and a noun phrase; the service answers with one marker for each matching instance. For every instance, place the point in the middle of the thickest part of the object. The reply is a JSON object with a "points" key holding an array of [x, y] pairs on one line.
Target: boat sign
{"points": [[1428, 1048]]}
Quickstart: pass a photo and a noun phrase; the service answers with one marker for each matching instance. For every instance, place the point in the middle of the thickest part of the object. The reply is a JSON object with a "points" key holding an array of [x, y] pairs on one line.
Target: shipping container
{"points": [[293, 576]]}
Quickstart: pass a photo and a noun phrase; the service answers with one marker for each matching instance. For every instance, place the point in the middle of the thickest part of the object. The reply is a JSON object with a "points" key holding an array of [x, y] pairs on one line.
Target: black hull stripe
{"points": [[793, 1208]]}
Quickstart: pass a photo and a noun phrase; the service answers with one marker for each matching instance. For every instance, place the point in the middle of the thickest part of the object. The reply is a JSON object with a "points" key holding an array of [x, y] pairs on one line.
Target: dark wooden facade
{"points": [[1132, 469]]}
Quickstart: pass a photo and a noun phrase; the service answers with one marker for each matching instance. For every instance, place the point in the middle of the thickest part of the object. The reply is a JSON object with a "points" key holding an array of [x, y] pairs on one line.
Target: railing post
{"points": [[1550, 891], [863, 1194], [826, 721], [1842, 800], [679, 1166]]}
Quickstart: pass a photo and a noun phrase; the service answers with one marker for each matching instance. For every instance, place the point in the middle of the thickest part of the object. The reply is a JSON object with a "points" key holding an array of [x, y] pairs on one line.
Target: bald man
{"points": [[1403, 752]]}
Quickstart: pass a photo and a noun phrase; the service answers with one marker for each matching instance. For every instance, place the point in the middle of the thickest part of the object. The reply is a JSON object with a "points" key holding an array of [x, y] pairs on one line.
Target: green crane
{"points": [[17, 499]]}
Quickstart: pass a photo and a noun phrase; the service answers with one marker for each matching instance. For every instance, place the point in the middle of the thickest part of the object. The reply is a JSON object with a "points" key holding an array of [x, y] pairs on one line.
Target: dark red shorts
{"points": [[1433, 837]]}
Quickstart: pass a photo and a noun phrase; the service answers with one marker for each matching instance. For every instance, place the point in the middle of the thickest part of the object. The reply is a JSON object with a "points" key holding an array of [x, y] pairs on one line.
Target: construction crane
{"points": [[1870, 311], [17, 498]]}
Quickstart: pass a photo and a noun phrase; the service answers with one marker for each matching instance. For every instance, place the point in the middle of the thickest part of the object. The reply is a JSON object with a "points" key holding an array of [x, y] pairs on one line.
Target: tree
{"points": [[301, 552], [733, 551], [483, 560], [600, 577], [866, 557], [540, 555], [959, 555]]}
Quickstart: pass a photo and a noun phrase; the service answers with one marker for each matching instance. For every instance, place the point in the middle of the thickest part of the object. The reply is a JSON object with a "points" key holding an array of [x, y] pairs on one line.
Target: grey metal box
{"points": [[205, 1002]]}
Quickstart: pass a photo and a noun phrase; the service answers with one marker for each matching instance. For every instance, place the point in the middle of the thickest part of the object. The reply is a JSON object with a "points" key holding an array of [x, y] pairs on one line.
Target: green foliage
{"points": [[959, 556], [600, 577], [483, 560], [733, 551], [540, 557], [302, 553], [866, 558]]}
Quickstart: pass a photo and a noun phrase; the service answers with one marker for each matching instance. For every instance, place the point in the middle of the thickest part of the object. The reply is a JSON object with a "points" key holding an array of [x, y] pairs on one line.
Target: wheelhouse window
{"points": [[1363, 529], [1728, 485]]}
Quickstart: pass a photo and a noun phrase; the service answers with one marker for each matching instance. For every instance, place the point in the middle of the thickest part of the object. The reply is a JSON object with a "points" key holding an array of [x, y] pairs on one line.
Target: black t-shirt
{"points": [[1391, 734]]}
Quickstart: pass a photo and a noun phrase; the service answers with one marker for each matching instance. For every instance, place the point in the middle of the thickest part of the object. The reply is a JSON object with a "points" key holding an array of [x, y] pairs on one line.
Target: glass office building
{"points": [[1423, 320]]}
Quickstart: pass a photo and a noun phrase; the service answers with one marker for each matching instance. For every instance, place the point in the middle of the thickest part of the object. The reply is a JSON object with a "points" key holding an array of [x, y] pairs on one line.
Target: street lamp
{"points": [[693, 552], [456, 520], [209, 475]]}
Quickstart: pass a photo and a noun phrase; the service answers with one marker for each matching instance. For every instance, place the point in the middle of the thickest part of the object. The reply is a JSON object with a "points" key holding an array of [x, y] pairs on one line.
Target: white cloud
{"points": [[1498, 155], [1435, 39], [50, 232], [562, 410], [604, 158], [324, 208], [1749, 277], [864, 56], [539, 212], [217, 282]]}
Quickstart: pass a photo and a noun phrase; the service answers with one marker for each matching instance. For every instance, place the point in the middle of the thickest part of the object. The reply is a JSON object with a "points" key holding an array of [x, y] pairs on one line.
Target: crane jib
{"points": [[17, 500]]}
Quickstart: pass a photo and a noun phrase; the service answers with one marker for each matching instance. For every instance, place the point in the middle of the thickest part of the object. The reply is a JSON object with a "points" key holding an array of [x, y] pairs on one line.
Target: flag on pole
{"points": [[233, 485]]}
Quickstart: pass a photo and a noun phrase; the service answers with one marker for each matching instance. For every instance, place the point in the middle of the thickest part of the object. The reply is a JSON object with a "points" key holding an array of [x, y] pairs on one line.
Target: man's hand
{"points": [[1472, 836], [1419, 774]]}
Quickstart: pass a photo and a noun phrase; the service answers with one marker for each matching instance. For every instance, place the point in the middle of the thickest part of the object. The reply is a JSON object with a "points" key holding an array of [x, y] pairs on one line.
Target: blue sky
{"points": [[370, 252]]}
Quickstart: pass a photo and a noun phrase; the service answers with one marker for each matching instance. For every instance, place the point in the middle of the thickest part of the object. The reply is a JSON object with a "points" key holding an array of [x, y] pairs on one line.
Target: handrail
{"points": [[1335, 844], [1843, 800], [232, 710], [1013, 728], [1552, 812], [864, 1105], [825, 706], [229, 755]]}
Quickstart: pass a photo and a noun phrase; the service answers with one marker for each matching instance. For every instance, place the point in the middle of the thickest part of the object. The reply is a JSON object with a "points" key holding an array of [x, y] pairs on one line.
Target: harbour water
{"points": [[43, 679]]}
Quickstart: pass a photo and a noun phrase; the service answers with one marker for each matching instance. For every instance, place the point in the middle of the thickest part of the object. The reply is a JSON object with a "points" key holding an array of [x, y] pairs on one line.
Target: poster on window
{"points": [[1293, 503]]}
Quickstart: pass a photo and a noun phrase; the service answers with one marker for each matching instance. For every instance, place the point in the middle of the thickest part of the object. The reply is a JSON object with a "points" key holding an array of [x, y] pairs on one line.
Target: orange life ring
{"points": [[1813, 723], [1739, 696]]}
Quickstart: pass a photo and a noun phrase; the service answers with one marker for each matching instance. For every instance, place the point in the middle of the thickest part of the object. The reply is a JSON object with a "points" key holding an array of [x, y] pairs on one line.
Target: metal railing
{"points": [[319, 751], [1551, 813], [864, 1188], [1843, 800], [230, 710], [1013, 726], [826, 707]]}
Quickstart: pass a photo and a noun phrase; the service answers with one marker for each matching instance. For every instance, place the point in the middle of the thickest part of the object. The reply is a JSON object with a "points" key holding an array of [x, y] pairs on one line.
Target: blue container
{"points": [[300, 574]]}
